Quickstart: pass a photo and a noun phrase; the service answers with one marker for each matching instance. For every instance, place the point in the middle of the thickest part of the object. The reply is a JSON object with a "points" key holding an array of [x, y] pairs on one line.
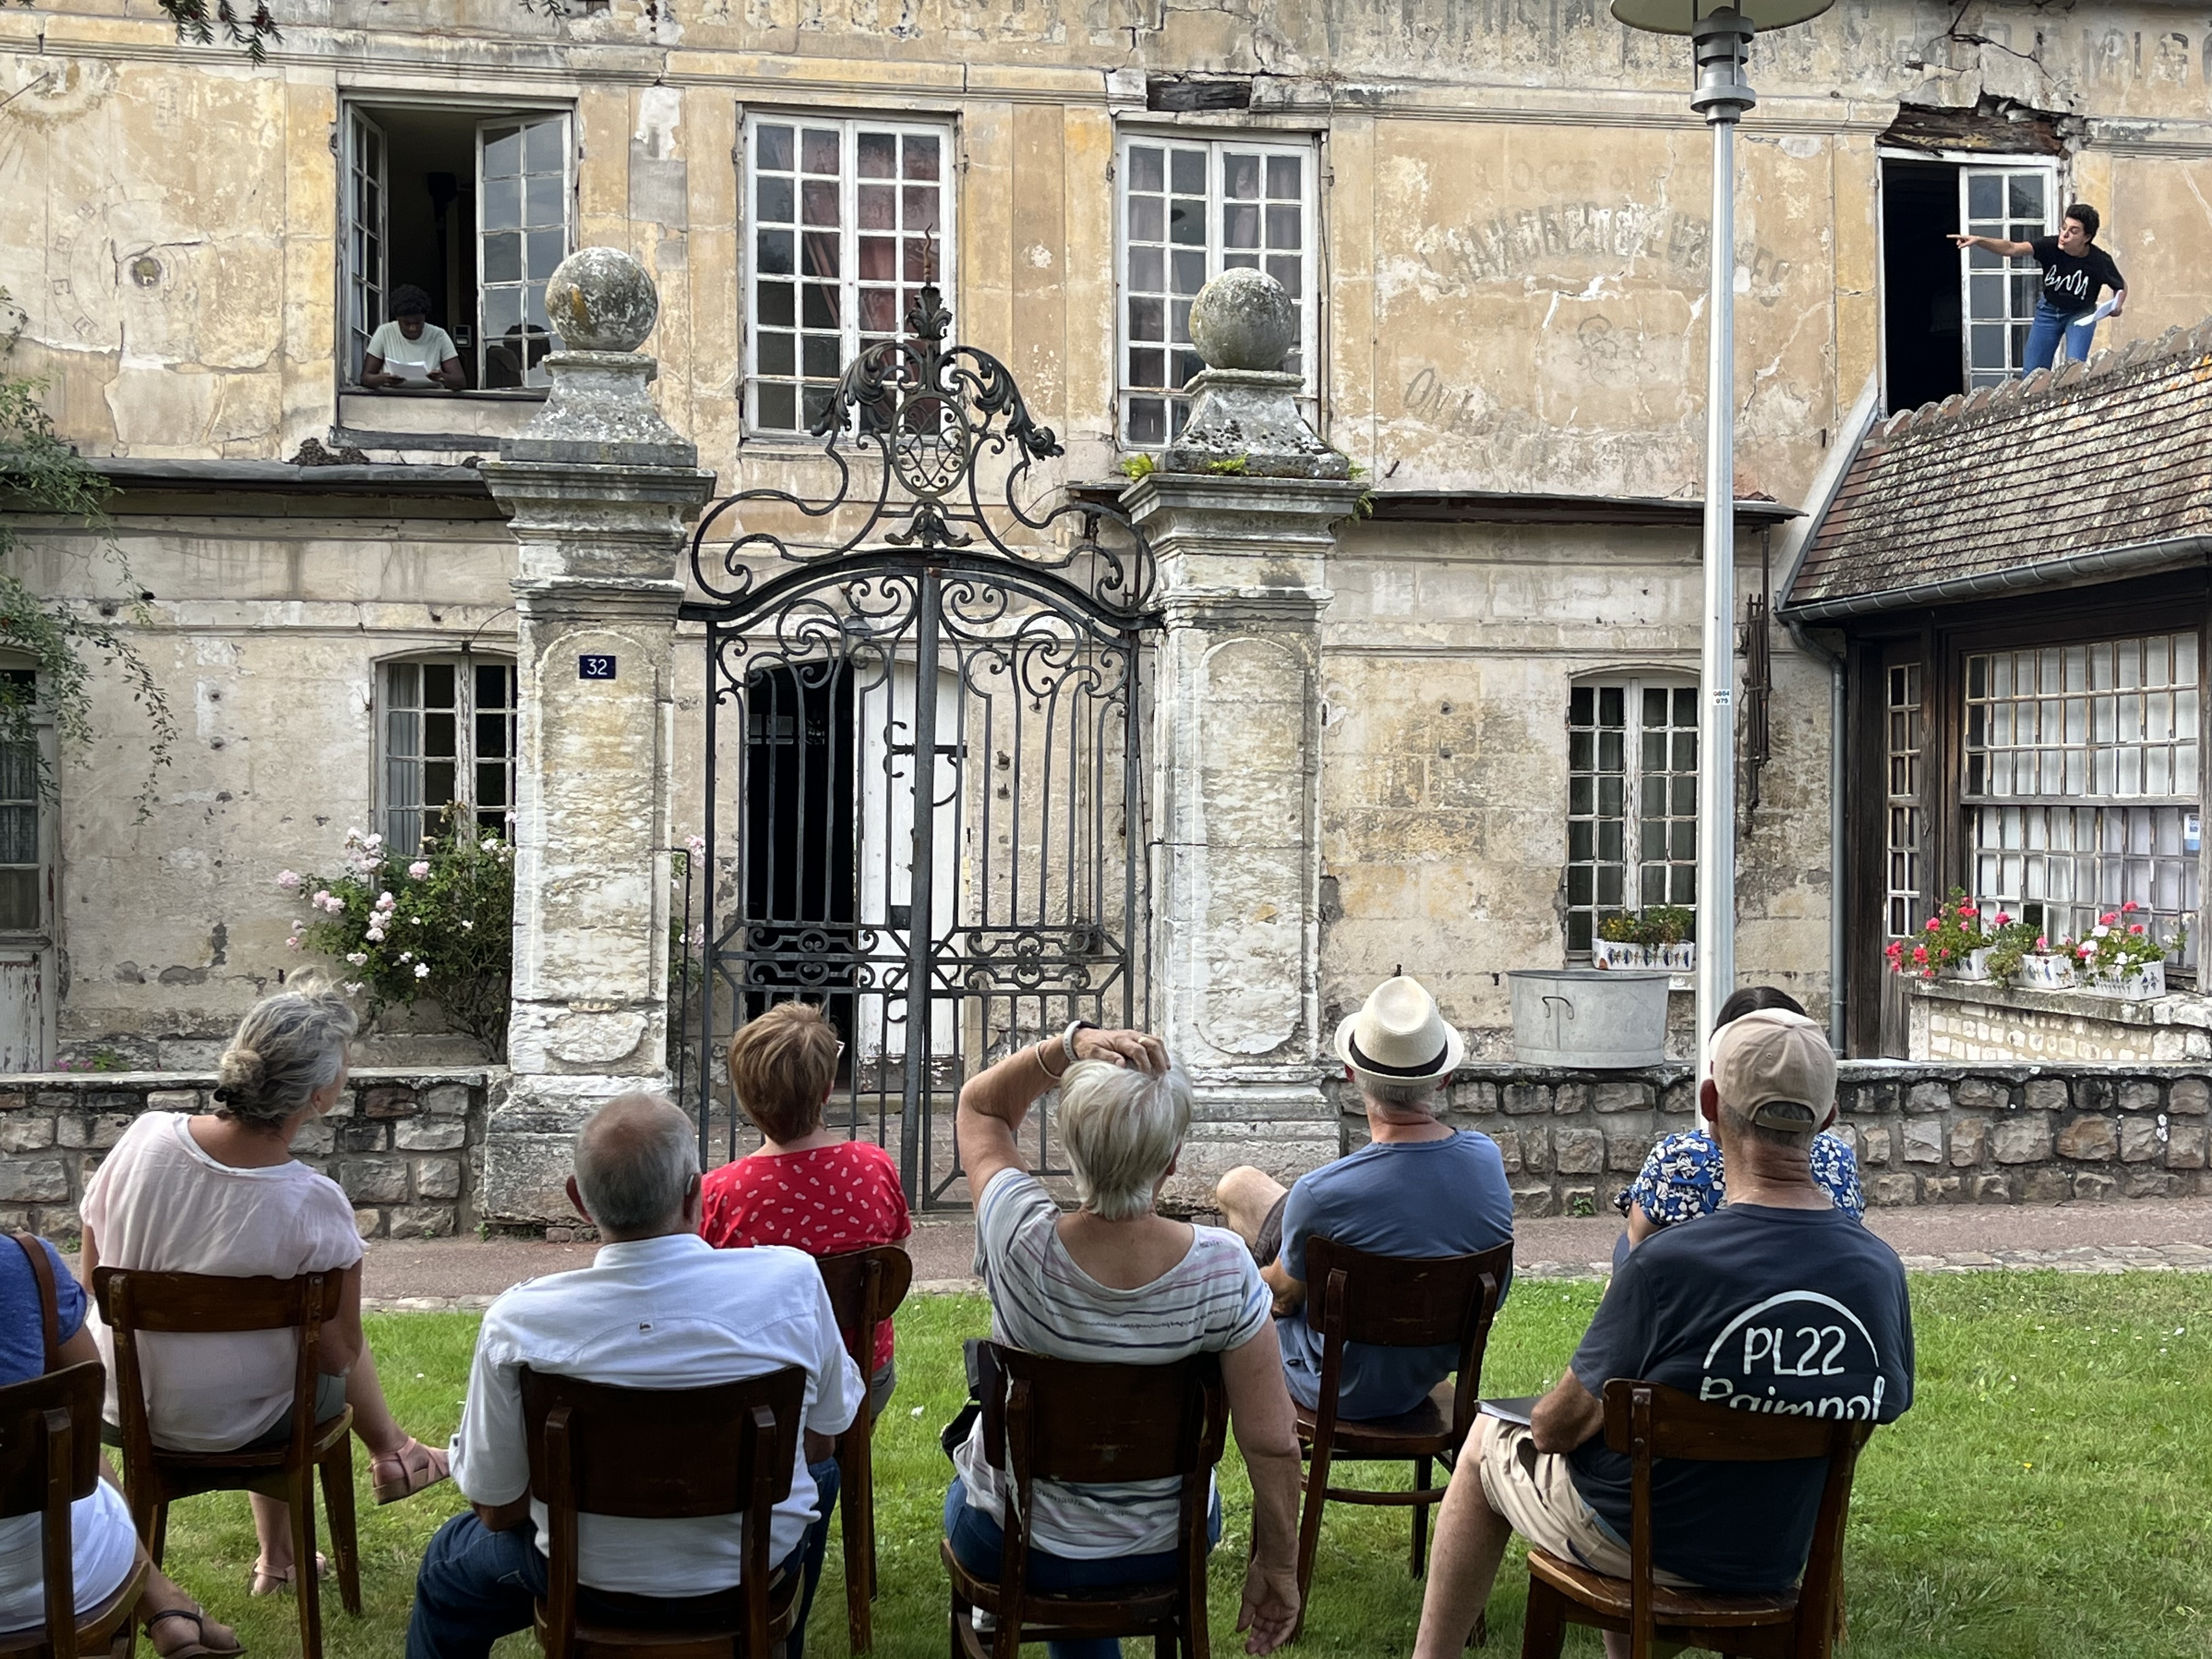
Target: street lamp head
{"points": [[1683, 16]]}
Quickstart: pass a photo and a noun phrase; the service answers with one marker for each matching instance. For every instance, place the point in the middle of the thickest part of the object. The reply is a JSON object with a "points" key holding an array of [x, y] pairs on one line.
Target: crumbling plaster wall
{"points": [[1447, 657], [1515, 221]]}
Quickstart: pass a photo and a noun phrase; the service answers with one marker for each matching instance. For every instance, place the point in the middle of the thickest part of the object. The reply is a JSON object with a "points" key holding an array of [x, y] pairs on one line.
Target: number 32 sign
{"points": [[595, 668]]}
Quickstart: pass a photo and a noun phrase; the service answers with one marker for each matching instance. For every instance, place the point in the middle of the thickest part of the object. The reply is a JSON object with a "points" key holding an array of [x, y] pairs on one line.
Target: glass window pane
{"points": [[542, 145], [502, 152]]}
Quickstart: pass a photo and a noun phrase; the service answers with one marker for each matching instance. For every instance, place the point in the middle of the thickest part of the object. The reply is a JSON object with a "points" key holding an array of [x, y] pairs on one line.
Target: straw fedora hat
{"points": [[1399, 1034]]}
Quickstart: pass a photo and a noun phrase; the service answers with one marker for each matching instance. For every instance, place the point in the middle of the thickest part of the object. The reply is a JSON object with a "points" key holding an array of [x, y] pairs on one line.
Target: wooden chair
{"points": [[665, 1454], [50, 1458], [1647, 1421], [865, 1288], [134, 1302], [1060, 1420], [1392, 1301]]}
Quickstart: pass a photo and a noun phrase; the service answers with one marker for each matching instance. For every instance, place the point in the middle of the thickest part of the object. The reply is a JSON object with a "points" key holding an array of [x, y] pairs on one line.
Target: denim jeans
{"points": [[476, 1585], [2049, 332], [976, 1541]]}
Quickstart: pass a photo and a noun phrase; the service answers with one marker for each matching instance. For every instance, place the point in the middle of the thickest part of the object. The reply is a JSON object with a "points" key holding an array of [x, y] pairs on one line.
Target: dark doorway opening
{"points": [[799, 836], [1924, 329]]}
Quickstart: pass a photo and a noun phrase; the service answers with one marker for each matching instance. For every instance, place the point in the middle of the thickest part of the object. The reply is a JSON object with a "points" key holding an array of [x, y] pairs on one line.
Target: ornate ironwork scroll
{"points": [[923, 794]]}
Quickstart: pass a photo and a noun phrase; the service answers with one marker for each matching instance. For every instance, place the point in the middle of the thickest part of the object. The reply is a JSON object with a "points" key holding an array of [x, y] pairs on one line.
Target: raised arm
{"points": [[995, 1101], [1997, 245]]}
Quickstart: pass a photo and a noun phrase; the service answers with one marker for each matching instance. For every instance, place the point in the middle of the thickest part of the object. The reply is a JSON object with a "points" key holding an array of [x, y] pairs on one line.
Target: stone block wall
{"points": [[1924, 1134], [1959, 1020], [406, 1146]]}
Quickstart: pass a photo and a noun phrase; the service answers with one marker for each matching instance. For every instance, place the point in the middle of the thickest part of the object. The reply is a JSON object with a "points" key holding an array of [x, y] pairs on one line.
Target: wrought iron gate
{"points": [[923, 802]]}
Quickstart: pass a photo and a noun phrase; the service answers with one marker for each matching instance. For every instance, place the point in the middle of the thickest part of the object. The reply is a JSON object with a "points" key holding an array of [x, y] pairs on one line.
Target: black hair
{"points": [[409, 300], [1755, 998], [2089, 219]]}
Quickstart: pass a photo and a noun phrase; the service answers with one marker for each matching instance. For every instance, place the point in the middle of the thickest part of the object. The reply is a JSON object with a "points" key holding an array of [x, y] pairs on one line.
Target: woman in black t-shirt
{"points": [[2075, 271]]}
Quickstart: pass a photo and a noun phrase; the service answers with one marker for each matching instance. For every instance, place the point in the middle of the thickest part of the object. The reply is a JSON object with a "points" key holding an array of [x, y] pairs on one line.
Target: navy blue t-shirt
{"points": [[22, 1331], [1411, 1198], [1764, 1310]]}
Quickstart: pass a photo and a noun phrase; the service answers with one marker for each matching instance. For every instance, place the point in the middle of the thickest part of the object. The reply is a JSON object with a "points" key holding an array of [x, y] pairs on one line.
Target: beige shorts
{"points": [[1535, 1493]]}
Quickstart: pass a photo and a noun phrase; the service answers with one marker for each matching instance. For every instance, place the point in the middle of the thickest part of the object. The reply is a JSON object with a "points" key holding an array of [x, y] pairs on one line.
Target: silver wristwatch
{"points": [[1067, 1036]]}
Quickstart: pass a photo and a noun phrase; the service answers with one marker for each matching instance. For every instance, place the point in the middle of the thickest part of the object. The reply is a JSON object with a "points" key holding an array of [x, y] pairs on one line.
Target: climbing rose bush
{"points": [[440, 924]]}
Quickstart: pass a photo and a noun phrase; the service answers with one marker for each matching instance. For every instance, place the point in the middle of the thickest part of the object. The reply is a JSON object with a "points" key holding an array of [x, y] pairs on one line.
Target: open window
{"points": [[1957, 318], [474, 208]]}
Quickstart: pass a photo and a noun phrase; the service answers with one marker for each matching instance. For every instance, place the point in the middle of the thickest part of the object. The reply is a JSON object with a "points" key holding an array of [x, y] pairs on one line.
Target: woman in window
{"points": [[221, 1194], [1682, 1178], [410, 350]]}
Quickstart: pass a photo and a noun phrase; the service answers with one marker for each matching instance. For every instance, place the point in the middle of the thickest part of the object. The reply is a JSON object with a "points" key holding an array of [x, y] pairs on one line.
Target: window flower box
{"points": [[2044, 971], [2136, 982], [1675, 959]]}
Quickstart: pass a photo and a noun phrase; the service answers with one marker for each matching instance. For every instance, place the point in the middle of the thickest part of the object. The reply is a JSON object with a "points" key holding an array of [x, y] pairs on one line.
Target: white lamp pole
{"points": [[1721, 37]]}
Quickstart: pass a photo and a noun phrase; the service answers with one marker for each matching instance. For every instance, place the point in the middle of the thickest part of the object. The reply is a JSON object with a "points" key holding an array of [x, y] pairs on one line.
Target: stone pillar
{"points": [[1241, 514], [599, 489]]}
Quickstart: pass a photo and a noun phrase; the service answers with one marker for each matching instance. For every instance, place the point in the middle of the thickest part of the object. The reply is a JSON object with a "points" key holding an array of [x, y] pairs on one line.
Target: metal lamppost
{"points": [[1721, 37]]}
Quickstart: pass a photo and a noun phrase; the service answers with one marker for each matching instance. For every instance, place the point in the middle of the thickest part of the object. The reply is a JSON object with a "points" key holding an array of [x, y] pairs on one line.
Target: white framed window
{"points": [[1631, 800], [2015, 204], [1905, 819], [486, 210], [2082, 785], [448, 734], [848, 219], [1190, 208]]}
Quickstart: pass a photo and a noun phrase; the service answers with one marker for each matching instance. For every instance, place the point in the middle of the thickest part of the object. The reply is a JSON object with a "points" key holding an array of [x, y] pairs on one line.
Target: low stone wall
{"points": [[406, 1146], [1924, 1134], [1958, 1020]]}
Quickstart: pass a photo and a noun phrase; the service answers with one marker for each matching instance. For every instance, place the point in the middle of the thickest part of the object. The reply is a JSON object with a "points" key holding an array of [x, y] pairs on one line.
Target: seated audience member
{"points": [[659, 1308], [808, 1187], [410, 350], [1419, 1188], [220, 1193], [1682, 1175], [1724, 1311], [1117, 1283], [103, 1545]]}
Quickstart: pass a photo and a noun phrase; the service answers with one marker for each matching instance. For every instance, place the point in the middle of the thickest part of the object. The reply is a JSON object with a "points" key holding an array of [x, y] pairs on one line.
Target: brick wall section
{"points": [[406, 1146], [1924, 1134]]}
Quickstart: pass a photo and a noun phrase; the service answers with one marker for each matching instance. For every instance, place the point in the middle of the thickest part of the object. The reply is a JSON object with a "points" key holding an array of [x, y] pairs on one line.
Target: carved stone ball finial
{"points": [[1244, 318], [599, 298]]}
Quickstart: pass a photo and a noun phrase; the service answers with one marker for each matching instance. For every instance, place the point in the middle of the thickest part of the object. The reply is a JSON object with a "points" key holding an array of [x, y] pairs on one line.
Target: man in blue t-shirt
{"points": [[1778, 1302], [1417, 1188]]}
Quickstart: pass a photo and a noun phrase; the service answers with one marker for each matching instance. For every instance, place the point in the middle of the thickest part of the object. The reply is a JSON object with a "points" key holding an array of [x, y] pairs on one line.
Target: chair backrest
{"points": [[1407, 1302], [865, 1288], [49, 1458], [662, 1454], [1648, 1421], [134, 1302]]}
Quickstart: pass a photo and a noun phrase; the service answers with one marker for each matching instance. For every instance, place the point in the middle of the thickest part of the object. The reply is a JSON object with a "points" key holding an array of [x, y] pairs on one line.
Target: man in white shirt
{"points": [[659, 1308], [410, 350]]}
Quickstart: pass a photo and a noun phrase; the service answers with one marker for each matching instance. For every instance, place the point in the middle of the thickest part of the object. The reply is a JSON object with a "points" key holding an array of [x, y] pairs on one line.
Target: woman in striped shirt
{"points": [[1114, 1282]]}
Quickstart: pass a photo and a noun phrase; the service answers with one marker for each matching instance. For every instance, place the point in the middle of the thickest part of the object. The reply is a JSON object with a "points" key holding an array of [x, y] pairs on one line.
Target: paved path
{"points": [[466, 1274]]}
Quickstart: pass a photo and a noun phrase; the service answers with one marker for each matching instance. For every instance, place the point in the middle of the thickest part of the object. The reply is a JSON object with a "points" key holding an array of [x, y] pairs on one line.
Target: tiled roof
{"points": [[2113, 453]]}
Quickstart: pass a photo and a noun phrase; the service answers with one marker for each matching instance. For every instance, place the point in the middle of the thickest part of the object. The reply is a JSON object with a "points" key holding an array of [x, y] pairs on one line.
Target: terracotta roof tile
{"points": [[2108, 454]]}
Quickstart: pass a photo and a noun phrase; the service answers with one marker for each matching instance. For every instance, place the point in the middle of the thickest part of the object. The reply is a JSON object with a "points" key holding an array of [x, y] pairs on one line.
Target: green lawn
{"points": [[2046, 1497]]}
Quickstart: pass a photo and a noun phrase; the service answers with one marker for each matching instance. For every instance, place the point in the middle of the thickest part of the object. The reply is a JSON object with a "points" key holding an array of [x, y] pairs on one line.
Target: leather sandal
{"points": [[198, 1647], [266, 1583], [406, 1478]]}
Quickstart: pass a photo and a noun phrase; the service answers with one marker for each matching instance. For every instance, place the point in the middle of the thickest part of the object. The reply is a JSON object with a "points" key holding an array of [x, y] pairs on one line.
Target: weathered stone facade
{"points": [[1923, 1134], [1508, 306], [406, 1146], [1954, 1021]]}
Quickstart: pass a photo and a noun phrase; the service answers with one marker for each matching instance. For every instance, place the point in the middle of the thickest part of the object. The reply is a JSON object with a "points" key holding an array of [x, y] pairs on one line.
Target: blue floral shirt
{"points": [[1681, 1177]]}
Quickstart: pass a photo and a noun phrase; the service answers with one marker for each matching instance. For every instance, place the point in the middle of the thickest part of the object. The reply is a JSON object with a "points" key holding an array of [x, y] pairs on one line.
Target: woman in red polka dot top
{"points": [[807, 1186]]}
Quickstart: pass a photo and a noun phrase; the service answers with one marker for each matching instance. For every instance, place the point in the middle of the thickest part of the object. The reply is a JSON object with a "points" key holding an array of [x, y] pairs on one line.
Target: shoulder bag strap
{"points": [[50, 1309]]}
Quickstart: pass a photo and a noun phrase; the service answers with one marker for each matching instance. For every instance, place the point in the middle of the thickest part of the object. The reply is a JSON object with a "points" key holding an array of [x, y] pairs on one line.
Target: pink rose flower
{"points": [[418, 870], [289, 880]]}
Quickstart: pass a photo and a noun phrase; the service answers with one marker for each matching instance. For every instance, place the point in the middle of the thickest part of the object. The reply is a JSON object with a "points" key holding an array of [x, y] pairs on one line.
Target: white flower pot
{"points": [[1677, 958], [2135, 984], [2049, 972], [1975, 967]]}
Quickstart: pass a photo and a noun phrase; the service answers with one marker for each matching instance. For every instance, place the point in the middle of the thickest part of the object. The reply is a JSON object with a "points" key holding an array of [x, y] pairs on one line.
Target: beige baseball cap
{"points": [[1771, 1058]]}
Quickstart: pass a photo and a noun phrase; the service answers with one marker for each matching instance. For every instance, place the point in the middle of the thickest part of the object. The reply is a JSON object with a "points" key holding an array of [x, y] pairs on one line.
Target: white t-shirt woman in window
{"points": [[221, 1194], [410, 350], [1117, 1283]]}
